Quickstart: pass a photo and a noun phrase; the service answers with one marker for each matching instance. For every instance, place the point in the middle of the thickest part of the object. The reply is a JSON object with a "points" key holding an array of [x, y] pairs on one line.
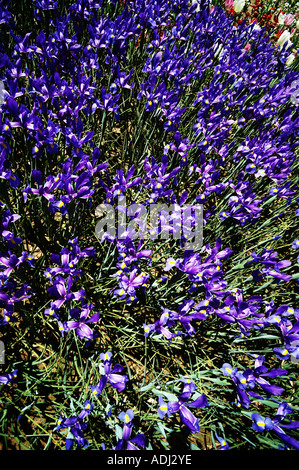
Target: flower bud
{"points": [[289, 19], [229, 4], [290, 59]]}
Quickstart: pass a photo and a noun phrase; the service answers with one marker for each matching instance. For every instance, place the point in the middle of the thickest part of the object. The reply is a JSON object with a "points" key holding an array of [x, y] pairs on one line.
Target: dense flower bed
{"points": [[278, 19], [134, 341]]}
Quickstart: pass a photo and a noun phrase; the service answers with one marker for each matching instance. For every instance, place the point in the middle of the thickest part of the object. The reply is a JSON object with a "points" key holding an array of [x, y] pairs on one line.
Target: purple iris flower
{"points": [[77, 430], [189, 385], [52, 311], [129, 284], [261, 424], [129, 253], [276, 424], [63, 423], [11, 239], [163, 408], [61, 288], [109, 102], [185, 317], [9, 378], [12, 178], [111, 374], [77, 427], [76, 140], [272, 266], [295, 244], [123, 80], [228, 370], [81, 320], [223, 444], [11, 262], [182, 406], [170, 263], [9, 218], [257, 376], [159, 326], [88, 407], [245, 381], [170, 317], [236, 310], [126, 442], [241, 384], [44, 190], [123, 182], [289, 333], [46, 4]]}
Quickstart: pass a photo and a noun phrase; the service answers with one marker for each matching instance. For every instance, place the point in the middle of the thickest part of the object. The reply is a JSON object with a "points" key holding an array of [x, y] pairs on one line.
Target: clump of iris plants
{"points": [[128, 339]]}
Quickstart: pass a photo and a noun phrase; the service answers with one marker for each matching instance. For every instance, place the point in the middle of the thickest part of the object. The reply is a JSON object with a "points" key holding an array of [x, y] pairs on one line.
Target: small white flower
{"points": [[239, 5], [281, 18], [285, 37]]}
